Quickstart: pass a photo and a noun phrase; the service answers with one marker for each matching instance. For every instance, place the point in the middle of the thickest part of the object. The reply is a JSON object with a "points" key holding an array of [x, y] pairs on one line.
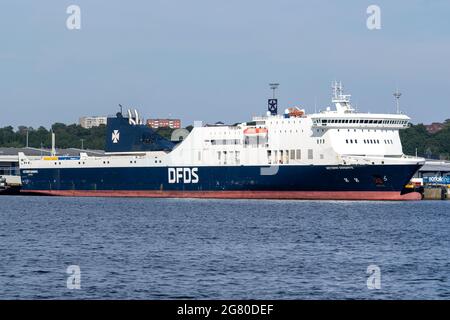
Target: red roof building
{"points": [[434, 127], [164, 123]]}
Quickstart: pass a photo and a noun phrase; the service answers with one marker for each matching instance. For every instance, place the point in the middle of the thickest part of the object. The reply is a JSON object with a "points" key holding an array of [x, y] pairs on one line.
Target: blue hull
{"points": [[232, 178]]}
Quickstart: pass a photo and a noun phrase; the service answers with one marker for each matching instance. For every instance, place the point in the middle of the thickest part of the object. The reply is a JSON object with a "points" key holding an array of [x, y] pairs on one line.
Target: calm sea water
{"points": [[222, 249]]}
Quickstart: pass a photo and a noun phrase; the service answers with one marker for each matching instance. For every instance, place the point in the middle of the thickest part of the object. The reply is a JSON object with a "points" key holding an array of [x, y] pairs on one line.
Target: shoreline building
{"points": [[434, 127], [90, 122], [164, 123]]}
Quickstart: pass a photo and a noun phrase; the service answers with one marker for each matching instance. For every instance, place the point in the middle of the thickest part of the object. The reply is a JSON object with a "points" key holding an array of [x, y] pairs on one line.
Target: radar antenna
{"points": [[273, 87], [397, 94]]}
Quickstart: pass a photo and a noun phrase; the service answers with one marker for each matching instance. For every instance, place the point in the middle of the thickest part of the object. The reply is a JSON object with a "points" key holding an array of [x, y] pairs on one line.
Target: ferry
{"points": [[335, 154]]}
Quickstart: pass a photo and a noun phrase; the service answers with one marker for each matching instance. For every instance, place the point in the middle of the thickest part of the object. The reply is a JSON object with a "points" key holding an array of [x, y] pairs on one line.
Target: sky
{"points": [[212, 60]]}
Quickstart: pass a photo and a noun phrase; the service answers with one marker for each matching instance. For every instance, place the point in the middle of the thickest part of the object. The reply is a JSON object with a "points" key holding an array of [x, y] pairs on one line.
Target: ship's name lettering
{"points": [[30, 171], [183, 175]]}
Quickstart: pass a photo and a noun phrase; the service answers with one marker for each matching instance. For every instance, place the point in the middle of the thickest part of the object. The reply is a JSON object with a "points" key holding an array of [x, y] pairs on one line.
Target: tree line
{"points": [[67, 136], [428, 145], [415, 138]]}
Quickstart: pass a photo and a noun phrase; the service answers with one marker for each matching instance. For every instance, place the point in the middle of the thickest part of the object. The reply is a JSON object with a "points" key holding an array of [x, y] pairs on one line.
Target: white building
{"points": [[89, 122]]}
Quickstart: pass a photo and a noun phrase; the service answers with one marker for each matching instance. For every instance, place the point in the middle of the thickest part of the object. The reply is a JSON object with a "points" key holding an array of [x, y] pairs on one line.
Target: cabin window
{"points": [[292, 154], [310, 154], [298, 154]]}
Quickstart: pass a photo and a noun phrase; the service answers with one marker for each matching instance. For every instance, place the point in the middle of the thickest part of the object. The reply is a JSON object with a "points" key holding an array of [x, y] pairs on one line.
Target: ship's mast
{"points": [[341, 100], [272, 104], [273, 87], [397, 95]]}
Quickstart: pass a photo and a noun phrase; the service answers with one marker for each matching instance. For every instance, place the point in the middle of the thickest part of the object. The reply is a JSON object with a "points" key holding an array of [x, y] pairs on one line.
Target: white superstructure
{"points": [[330, 137], [339, 136]]}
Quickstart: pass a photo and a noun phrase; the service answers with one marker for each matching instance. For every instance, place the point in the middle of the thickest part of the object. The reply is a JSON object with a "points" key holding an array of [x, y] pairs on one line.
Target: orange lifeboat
{"points": [[255, 131], [295, 112]]}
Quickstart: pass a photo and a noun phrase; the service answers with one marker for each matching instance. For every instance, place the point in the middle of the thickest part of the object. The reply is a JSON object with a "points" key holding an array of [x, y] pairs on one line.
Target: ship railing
{"points": [[263, 118]]}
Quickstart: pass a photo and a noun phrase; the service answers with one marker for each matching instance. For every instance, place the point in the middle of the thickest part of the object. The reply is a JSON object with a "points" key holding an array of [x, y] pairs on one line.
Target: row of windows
{"points": [[225, 141], [104, 162], [284, 156], [362, 130], [273, 156], [227, 157], [369, 141], [255, 140], [285, 122], [365, 121]]}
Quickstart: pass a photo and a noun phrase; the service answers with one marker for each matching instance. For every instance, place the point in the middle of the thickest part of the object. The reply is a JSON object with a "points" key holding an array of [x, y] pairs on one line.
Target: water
{"points": [[222, 249]]}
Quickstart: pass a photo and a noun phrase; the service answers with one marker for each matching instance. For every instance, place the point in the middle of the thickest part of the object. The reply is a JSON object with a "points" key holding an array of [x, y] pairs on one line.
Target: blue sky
{"points": [[212, 60]]}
